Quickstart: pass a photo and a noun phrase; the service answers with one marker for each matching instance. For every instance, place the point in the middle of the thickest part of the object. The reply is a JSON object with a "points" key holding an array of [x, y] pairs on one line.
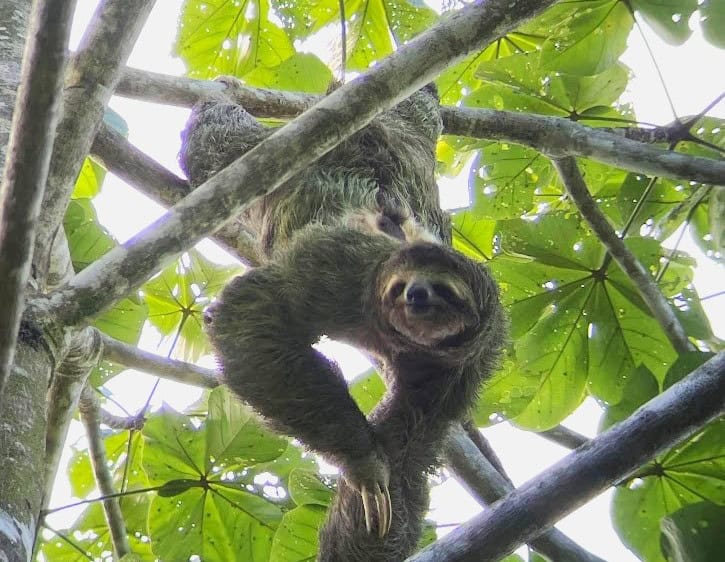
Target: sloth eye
{"points": [[396, 290], [446, 293]]}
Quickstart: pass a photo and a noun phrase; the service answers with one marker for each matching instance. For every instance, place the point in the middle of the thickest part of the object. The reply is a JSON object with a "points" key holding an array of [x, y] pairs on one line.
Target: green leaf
{"points": [[668, 18], [174, 448], [306, 488], [712, 21], [684, 365], [302, 72], [89, 181], [302, 18], [688, 474], [587, 39], [125, 320], [695, 533], [90, 538], [574, 327], [641, 386], [375, 27], [367, 391], [296, 539], [178, 296], [88, 241], [218, 524], [234, 437], [473, 236], [217, 37], [118, 454], [505, 179], [506, 394]]}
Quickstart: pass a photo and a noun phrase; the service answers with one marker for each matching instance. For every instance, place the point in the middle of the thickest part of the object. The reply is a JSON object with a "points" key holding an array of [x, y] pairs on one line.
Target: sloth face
{"points": [[428, 296]]}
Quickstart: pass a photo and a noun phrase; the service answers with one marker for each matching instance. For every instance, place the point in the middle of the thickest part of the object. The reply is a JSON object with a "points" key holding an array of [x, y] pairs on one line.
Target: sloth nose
{"points": [[417, 294]]}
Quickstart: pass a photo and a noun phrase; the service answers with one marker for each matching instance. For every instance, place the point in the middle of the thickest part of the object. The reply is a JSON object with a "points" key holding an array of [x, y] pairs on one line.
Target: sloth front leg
{"points": [[268, 360]]}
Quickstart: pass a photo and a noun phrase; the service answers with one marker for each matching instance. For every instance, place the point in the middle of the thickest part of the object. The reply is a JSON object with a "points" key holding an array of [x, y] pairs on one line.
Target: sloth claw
{"points": [[383, 509]]}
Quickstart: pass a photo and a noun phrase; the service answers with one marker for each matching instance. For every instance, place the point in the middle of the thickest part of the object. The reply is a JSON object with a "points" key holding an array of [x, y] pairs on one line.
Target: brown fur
{"points": [[263, 328]]}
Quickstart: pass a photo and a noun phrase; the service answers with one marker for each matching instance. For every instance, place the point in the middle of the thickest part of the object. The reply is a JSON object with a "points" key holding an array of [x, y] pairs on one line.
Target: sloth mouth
{"points": [[417, 308]]}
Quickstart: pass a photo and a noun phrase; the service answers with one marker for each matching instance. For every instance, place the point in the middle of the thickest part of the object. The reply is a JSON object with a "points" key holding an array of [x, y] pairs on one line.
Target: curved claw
{"points": [[390, 508], [380, 504], [367, 509]]}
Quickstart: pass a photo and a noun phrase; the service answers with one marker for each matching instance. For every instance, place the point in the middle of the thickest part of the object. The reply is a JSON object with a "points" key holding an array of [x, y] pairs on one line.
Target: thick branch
{"points": [[487, 485], [28, 158], [554, 136], [163, 186], [576, 187], [285, 153], [558, 138], [92, 76], [664, 421], [91, 417], [171, 369]]}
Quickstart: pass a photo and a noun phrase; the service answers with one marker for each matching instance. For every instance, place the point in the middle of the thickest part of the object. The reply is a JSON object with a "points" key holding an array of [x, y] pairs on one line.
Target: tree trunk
{"points": [[22, 426]]}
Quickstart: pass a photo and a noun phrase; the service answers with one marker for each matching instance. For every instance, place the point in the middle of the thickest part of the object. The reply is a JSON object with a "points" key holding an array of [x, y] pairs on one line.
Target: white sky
{"points": [[690, 75]]}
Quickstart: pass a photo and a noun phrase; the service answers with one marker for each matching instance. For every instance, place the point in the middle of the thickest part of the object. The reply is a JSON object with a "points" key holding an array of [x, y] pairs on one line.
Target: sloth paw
{"points": [[370, 477]]}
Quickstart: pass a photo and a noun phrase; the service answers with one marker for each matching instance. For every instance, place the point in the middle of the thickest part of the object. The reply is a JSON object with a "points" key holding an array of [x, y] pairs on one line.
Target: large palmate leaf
{"points": [[575, 327], [178, 296], [205, 487], [585, 37], [218, 37], [669, 18], [687, 475]]}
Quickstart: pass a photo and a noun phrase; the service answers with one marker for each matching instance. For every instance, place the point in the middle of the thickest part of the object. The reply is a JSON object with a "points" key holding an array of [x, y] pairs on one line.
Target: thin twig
{"points": [[576, 188], [564, 436], [91, 417], [676, 414], [172, 369], [27, 162]]}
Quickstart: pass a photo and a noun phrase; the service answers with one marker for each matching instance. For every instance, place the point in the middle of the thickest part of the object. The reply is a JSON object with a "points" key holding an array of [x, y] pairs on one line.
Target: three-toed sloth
{"points": [[354, 249]]}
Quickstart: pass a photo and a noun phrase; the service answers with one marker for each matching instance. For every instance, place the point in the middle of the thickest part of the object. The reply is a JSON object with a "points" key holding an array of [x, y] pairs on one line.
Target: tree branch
{"points": [[285, 153], [171, 369], [486, 485], [554, 136], [564, 436], [65, 390], [576, 188], [92, 75], [28, 159], [163, 186], [661, 423], [91, 417], [558, 138], [185, 92]]}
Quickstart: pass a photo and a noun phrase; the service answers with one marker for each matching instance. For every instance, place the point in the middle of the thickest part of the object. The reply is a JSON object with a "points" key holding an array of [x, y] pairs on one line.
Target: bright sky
{"points": [[155, 130]]}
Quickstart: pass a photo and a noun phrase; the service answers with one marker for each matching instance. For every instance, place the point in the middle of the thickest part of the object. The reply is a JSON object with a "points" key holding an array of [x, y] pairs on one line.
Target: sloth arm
{"points": [[268, 361]]}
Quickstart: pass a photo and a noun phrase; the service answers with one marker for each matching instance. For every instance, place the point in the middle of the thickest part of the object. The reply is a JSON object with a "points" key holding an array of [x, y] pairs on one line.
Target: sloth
{"points": [[388, 167], [431, 320], [355, 248]]}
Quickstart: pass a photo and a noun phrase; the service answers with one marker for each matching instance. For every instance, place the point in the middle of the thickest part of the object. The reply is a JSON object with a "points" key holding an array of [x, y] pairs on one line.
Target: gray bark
{"points": [[28, 157]]}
